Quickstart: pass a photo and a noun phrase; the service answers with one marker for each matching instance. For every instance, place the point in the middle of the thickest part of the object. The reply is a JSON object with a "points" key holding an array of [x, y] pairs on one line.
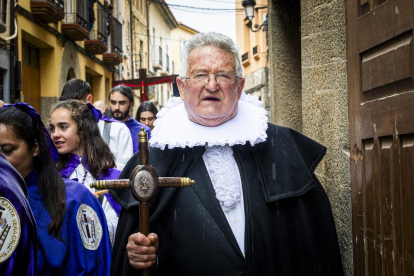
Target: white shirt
{"points": [[110, 214], [120, 142], [249, 125]]}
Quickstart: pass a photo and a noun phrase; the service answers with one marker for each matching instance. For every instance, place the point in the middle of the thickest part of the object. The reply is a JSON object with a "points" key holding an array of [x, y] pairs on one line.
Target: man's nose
{"points": [[212, 84]]}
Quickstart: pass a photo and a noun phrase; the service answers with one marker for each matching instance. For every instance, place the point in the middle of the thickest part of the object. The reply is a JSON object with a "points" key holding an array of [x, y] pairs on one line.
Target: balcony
{"points": [[245, 58], [50, 11], [157, 64], [98, 37], [114, 57], [3, 15], [256, 52], [76, 21]]}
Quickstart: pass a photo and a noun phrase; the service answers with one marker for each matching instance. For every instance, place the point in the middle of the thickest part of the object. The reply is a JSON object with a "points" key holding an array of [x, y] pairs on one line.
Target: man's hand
{"points": [[142, 250]]}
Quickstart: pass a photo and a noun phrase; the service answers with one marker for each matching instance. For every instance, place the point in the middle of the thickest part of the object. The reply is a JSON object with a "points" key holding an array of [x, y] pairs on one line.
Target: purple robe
{"points": [[135, 127], [109, 174], [22, 259]]}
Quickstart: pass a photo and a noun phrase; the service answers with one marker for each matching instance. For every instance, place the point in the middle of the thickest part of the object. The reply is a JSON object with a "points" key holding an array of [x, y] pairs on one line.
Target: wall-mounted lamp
{"points": [[249, 9]]}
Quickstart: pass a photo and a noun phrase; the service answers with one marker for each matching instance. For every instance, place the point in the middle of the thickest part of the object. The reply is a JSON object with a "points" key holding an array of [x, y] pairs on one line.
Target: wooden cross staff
{"points": [[143, 183], [144, 80]]}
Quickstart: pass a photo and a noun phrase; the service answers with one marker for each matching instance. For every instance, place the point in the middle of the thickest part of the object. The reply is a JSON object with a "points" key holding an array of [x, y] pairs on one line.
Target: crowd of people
{"points": [[256, 207]]}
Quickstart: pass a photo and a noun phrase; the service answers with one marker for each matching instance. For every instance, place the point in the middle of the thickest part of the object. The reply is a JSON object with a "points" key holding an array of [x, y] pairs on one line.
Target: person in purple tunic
{"points": [[83, 154], [121, 99], [18, 245], [72, 233]]}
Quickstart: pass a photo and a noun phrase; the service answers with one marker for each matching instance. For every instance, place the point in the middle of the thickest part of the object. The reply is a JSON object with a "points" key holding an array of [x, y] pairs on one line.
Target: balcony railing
{"points": [[245, 59], [117, 33], [60, 4], [100, 28], [160, 55], [79, 16], [50, 11], [114, 57], [255, 50]]}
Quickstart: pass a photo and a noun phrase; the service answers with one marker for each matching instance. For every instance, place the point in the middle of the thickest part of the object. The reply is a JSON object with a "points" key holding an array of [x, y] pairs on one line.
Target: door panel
{"points": [[380, 56], [31, 75]]}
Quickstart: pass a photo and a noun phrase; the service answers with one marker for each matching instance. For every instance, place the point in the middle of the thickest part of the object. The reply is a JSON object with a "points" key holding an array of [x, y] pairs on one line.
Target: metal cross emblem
{"points": [[143, 183]]}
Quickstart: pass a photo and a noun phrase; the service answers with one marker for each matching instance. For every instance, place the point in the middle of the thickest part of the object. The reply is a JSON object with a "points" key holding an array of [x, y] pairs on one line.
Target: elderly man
{"points": [[256, 207], [115, 133], [121, 99]]}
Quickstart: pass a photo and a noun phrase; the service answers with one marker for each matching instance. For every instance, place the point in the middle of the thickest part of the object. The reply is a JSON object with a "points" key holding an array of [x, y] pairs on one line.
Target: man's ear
{"points": [[89, 98], [240, 87], [180, 85]]}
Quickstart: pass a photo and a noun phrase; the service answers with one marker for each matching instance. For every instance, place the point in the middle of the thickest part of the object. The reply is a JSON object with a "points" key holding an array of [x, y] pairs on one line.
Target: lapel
{"points": [[203, 188]]}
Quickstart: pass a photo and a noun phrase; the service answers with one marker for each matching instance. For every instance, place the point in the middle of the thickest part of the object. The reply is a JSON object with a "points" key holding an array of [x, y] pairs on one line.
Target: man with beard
{"points": [[121, 99], [115, 133]]}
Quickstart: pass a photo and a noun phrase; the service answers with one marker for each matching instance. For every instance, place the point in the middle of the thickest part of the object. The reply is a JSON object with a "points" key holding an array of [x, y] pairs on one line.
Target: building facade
{"points": [[254, 52], [179, 36], [56, 41], [161, 24]]}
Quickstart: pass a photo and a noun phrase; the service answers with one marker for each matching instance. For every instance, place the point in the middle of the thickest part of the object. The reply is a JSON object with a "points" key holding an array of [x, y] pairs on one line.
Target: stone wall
{"points": [[323, 99], [285, 79]]}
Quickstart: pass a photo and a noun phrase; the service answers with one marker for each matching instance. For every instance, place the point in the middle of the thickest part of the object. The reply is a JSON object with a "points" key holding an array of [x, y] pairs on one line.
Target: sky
{"points": [[203, 20]]}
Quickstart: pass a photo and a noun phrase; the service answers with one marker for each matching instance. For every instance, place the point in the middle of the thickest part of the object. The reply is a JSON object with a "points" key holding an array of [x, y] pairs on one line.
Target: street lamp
{"points": [[249, 9]]}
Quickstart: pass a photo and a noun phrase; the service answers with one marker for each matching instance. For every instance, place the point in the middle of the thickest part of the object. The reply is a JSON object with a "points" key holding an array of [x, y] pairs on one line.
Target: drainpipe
{"points": [[148, 36], [131, 21], [12, 81]]}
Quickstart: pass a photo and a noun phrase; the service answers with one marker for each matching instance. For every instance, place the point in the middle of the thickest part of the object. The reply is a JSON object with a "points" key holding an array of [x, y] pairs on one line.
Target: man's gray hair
{"points": [[218, 40]]}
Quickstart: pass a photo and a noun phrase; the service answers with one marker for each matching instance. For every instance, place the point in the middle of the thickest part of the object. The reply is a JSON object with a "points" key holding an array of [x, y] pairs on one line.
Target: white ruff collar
{"points": [[174, 129]]}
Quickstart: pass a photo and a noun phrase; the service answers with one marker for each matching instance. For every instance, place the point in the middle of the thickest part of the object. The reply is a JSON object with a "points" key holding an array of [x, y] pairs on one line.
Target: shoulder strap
{"points": [[106, 132]]}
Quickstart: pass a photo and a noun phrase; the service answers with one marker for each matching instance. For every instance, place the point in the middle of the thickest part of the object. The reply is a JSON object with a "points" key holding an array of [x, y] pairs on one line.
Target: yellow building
{"points": [[254, 51], [179, 36], [60, 40]]}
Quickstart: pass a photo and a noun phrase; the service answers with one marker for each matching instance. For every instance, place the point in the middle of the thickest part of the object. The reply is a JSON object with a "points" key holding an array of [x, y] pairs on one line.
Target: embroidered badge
{"points": [[90, 227], [9, 229]]}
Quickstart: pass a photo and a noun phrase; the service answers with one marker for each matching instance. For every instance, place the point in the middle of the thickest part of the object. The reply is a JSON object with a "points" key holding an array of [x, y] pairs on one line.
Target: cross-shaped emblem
{"points": [[143, 183]]}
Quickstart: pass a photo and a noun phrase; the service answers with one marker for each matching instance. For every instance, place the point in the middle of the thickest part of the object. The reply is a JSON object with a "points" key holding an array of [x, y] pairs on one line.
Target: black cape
{"points": [[289, 224]]}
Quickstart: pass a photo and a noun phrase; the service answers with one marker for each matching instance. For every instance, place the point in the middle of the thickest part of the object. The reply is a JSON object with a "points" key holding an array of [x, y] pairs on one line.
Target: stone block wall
{"points": [[325, 106], [316, 104]]}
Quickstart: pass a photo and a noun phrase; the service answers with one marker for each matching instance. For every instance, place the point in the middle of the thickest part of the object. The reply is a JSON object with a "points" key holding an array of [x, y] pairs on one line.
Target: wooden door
{"points": [[381, 107], [31, 75]]}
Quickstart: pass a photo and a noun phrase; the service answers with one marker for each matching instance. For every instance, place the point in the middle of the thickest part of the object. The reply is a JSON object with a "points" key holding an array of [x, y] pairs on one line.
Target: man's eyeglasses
{"points": [[222, 78]]}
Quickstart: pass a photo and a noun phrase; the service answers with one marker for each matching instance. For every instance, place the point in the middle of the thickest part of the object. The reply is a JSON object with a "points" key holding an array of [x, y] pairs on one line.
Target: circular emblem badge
{"points": [[144, 184], [90, 227], [9, 229]]}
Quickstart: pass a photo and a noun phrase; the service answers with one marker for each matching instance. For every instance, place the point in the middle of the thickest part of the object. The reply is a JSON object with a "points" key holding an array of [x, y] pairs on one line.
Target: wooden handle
{"points": [[98, 193]]}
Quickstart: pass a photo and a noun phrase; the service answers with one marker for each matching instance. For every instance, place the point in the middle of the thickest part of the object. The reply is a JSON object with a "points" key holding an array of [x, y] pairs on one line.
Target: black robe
{"points": [[289, 226]]}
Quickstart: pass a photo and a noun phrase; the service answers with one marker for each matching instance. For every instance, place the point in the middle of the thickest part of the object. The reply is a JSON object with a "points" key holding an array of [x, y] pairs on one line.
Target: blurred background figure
{"points": [[101, 105], [83, 154], [121, 99], [62, 208], [146, 114], [1, 103]]}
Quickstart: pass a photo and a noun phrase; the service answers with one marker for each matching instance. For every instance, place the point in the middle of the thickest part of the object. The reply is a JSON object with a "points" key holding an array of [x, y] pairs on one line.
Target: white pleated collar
{"points": [[173, 128]]}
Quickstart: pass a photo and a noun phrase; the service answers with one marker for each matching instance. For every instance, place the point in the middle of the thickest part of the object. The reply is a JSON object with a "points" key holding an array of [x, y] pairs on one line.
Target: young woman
{"points": [[83, 154], [71, 226], [146, 114]]}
